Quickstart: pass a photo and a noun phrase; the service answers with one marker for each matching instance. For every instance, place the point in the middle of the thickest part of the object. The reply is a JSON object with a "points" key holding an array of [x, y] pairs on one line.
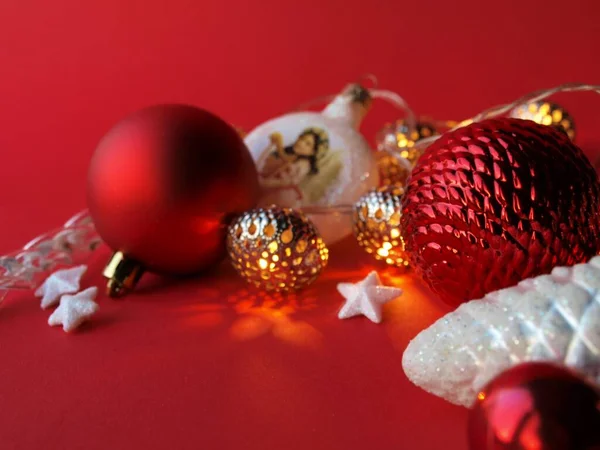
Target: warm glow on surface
{"points": [[262, 263], [263, 314]]}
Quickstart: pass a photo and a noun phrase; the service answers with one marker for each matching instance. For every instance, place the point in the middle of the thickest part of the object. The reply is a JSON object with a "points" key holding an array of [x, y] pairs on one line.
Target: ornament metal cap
{"points": [[352, 104], [123, 273], [359, 94]]}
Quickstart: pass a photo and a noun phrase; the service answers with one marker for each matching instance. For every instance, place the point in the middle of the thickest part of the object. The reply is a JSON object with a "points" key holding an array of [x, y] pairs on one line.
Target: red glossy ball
{"points": [[498, 201], [536, 406], [163, 183]]}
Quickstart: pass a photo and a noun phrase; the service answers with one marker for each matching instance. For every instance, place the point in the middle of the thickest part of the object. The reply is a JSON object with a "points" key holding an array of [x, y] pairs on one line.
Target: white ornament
{"points": [[65, 281], [366, 297], [316, 159], [74, 309], [552, 318]]}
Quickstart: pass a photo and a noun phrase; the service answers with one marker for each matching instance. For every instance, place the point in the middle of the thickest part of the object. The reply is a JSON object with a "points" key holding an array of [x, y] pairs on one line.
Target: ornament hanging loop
{"points": [[368, 77], [397, 101]]}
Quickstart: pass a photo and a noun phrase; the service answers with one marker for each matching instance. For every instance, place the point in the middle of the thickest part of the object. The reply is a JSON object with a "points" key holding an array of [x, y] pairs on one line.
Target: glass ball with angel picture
{"points": [[316, 159], [298, 173]]}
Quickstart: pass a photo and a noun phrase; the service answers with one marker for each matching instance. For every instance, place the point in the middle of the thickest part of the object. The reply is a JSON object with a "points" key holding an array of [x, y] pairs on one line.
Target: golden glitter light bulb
{"points": [[397, 154], [546, 113], [376, 221], [276, 249]]}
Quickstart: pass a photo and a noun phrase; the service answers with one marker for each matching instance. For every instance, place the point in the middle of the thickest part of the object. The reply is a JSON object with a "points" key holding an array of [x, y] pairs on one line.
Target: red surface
{"points": [[203, 364]]}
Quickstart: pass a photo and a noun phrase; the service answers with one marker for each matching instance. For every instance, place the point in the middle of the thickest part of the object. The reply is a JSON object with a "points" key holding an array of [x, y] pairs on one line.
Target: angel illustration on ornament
{"points": [[298, 174]]}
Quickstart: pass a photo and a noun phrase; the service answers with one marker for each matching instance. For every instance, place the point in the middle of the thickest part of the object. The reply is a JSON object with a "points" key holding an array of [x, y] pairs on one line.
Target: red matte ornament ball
{"points": [[163, 183], [536, 406], [498, 201]]}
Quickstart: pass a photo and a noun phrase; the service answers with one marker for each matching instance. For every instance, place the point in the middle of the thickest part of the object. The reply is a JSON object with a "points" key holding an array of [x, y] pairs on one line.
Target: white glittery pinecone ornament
{"points": [[552, 317]]}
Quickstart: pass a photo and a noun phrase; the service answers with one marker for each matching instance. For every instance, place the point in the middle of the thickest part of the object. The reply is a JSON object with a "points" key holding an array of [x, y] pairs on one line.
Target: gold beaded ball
{"points": [[376, 220], [397, 153], [546, 113], [276, 249], [392, 171]]}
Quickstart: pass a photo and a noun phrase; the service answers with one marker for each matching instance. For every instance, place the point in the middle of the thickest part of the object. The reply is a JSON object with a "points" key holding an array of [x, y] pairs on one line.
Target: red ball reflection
{"points": [[536, 406]]}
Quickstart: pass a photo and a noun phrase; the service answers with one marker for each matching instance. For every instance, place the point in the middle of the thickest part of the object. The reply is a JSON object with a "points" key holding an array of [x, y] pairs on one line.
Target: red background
{"points": [[208, 363]]}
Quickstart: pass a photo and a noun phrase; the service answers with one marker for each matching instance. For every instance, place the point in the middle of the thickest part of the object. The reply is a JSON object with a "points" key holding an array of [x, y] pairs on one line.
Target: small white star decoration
{"points": [[366, 297], [65, 281], [74, 309]]}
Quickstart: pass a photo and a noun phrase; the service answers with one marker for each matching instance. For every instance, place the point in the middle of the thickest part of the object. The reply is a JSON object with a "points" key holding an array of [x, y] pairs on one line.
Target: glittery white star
{"points": [[366, 297], [74, 309], [65, 281]]}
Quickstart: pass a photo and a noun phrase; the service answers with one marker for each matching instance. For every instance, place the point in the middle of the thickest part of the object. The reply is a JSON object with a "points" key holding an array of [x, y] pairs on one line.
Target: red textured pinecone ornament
{"points": [[498, 201]]}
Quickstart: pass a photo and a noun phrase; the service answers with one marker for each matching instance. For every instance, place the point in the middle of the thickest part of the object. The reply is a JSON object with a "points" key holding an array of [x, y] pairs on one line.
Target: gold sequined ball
{"points": [[276, 249], [546, 113], [397, 154], [376, 223]]}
